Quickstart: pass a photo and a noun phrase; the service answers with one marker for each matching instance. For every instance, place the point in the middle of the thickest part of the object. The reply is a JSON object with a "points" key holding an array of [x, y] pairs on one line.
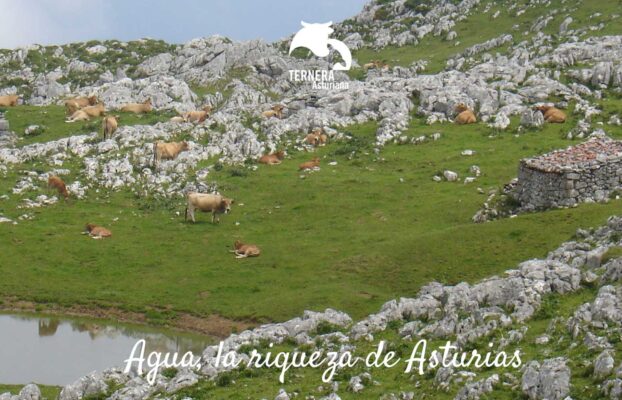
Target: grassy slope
{"points": [[349, 237], [53, 119], [480, 27]]}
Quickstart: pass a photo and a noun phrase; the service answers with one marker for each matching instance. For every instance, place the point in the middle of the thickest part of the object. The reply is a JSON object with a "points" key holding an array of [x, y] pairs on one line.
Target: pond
{"points": [[57, 351]]}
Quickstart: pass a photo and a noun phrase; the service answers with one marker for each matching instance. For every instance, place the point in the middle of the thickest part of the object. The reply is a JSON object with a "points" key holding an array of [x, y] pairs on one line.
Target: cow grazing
{"points": [[54, 182], [9, 100], [272, 159], [552, 114], [138, 108], [198, 116], [314, 163], [242, 250], [465, 115], [167, 151], [275, 111], [205, 202], [109, 126], [97, 232]]}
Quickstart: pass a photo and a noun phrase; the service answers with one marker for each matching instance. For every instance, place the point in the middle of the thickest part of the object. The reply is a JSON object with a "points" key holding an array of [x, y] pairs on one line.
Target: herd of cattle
{"points": [[86, 108]]}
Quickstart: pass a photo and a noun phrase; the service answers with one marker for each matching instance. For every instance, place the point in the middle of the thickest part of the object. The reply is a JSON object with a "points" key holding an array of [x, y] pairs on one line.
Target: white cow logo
{"points": [[315, 37]]}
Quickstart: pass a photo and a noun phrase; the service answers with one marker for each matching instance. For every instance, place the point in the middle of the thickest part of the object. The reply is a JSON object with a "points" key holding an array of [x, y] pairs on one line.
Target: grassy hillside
{"points": [[350, 236], [480, 27]]}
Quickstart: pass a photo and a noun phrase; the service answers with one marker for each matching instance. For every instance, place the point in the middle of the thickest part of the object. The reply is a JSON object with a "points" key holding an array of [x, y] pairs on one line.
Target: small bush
{"points": [[381, 14], [238, 172], [169, 373], [224, 379], [324, 328], [548, 308]]}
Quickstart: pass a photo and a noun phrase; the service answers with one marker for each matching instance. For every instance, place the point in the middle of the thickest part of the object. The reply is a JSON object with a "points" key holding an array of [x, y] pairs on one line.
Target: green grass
{"points": [[47, 392], [480, 27], [349, 237], [53, 118]]}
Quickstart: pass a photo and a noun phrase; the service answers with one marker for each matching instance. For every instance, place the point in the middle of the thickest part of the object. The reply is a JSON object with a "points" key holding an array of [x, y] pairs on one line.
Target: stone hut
{"points": [[587, 172]]}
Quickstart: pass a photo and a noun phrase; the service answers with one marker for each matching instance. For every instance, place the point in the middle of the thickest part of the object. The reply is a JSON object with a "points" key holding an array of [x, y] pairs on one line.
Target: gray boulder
{"points": [[531, 119], [603, 365], [549, 381]]}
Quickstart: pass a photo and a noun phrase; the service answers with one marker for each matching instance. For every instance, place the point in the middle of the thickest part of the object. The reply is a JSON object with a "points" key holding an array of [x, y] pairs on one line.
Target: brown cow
{"points": [[315, 162], [376, 64], [275, 111], [71, 107], [54, 182], [552, 114], [178, 119], [465, 115], [242, 250], [82, 101], [97, 110], [167, 151], [97, 232], [214, 203], [317, 137], [138, 108], [272, 159], [79, 115], [312, 138], [9, 100], [109, 126], [198, 116]]}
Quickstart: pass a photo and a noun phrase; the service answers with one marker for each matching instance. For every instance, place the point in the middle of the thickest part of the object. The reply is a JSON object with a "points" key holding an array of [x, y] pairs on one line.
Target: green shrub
{"points": [[381, 14]]}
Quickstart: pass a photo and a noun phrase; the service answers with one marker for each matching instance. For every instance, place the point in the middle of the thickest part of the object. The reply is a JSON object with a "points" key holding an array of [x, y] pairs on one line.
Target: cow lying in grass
{"points": [[109, 126], [552, 114], [242, 250], [272, 159], [313, 139], [75, 104], [314, 163], [275, 111], [87, 113], [205, 202], [54, 182], [465, 115], [138, 108], [167, 151], [97, 232], [82, 101], [9, 100], [198, 116], [317, 137], [376, 64]]}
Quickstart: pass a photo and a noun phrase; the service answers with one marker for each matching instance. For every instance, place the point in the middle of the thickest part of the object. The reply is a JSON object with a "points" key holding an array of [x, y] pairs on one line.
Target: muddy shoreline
{"points": [[213, 325]]}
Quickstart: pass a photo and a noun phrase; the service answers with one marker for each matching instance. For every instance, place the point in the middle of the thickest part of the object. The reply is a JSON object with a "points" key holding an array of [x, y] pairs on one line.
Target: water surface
{"points": [[57, 351]]}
